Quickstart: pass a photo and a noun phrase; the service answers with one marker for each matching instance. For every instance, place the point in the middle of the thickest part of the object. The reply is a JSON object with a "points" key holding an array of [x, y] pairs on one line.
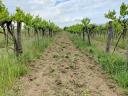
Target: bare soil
{"points": [[64, 71]]}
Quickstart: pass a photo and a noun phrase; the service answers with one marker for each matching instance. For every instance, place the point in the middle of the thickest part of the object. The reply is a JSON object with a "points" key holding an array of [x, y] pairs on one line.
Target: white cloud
{"points": [[67, 12]]}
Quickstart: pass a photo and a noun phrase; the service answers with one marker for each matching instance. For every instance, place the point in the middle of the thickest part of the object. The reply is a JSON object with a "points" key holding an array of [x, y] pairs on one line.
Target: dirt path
{"points": [[64, 71]]}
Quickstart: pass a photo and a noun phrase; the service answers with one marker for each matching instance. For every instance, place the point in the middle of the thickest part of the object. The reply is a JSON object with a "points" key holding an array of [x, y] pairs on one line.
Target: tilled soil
{"points": [[64, 71]]}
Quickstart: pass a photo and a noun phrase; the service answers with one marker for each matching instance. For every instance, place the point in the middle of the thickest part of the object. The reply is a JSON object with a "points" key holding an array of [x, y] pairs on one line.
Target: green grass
{"points": [[11, 68], [2, 41], [122, 43], [113, 64]]}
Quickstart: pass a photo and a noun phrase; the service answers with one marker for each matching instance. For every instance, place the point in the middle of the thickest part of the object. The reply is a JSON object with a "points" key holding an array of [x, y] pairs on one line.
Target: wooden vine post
{"points": [[84, 29], [110, 35], [88, 35]]}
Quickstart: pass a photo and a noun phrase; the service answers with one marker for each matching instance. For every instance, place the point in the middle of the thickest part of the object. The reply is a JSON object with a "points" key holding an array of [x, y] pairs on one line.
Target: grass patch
{"points": [[11, 68]]}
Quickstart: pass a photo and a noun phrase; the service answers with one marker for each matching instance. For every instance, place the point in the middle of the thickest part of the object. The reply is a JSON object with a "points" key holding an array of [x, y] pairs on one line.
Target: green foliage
{"points": [[37, 22], [85, 21], [44, 24], [111, 15], [19, 16], [117, 27], [123, 13], [4, 14], [75, 28], [124, 9], [28, 19], [53, 27]]}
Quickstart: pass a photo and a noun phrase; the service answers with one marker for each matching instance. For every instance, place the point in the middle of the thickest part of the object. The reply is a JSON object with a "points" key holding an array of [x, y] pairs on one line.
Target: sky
{"points": [[67, 12]]}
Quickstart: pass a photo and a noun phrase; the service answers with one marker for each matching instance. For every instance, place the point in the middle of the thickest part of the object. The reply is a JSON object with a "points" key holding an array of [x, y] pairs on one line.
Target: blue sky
{"points": [[67, 12]]}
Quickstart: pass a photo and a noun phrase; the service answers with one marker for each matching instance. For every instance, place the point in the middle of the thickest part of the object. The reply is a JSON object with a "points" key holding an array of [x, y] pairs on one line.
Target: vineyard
{"points": [[112, 40], [39, 58]]}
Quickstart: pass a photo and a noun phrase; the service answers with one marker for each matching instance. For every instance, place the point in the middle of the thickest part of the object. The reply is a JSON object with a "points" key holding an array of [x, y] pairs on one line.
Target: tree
{"points": [[28, 22], [19, 17], [85, 23], [44, 26], [52, 28], [4, 19], [121, 19], [36, 23]]}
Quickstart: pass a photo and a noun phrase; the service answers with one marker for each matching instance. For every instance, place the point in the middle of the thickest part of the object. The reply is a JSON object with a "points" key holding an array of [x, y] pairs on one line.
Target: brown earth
{"points": [[64, 71]]}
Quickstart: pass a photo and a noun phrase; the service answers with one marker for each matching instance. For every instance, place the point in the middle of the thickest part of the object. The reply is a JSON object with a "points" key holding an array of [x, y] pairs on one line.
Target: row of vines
{"points": [[116, 28], [12, 25]]}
